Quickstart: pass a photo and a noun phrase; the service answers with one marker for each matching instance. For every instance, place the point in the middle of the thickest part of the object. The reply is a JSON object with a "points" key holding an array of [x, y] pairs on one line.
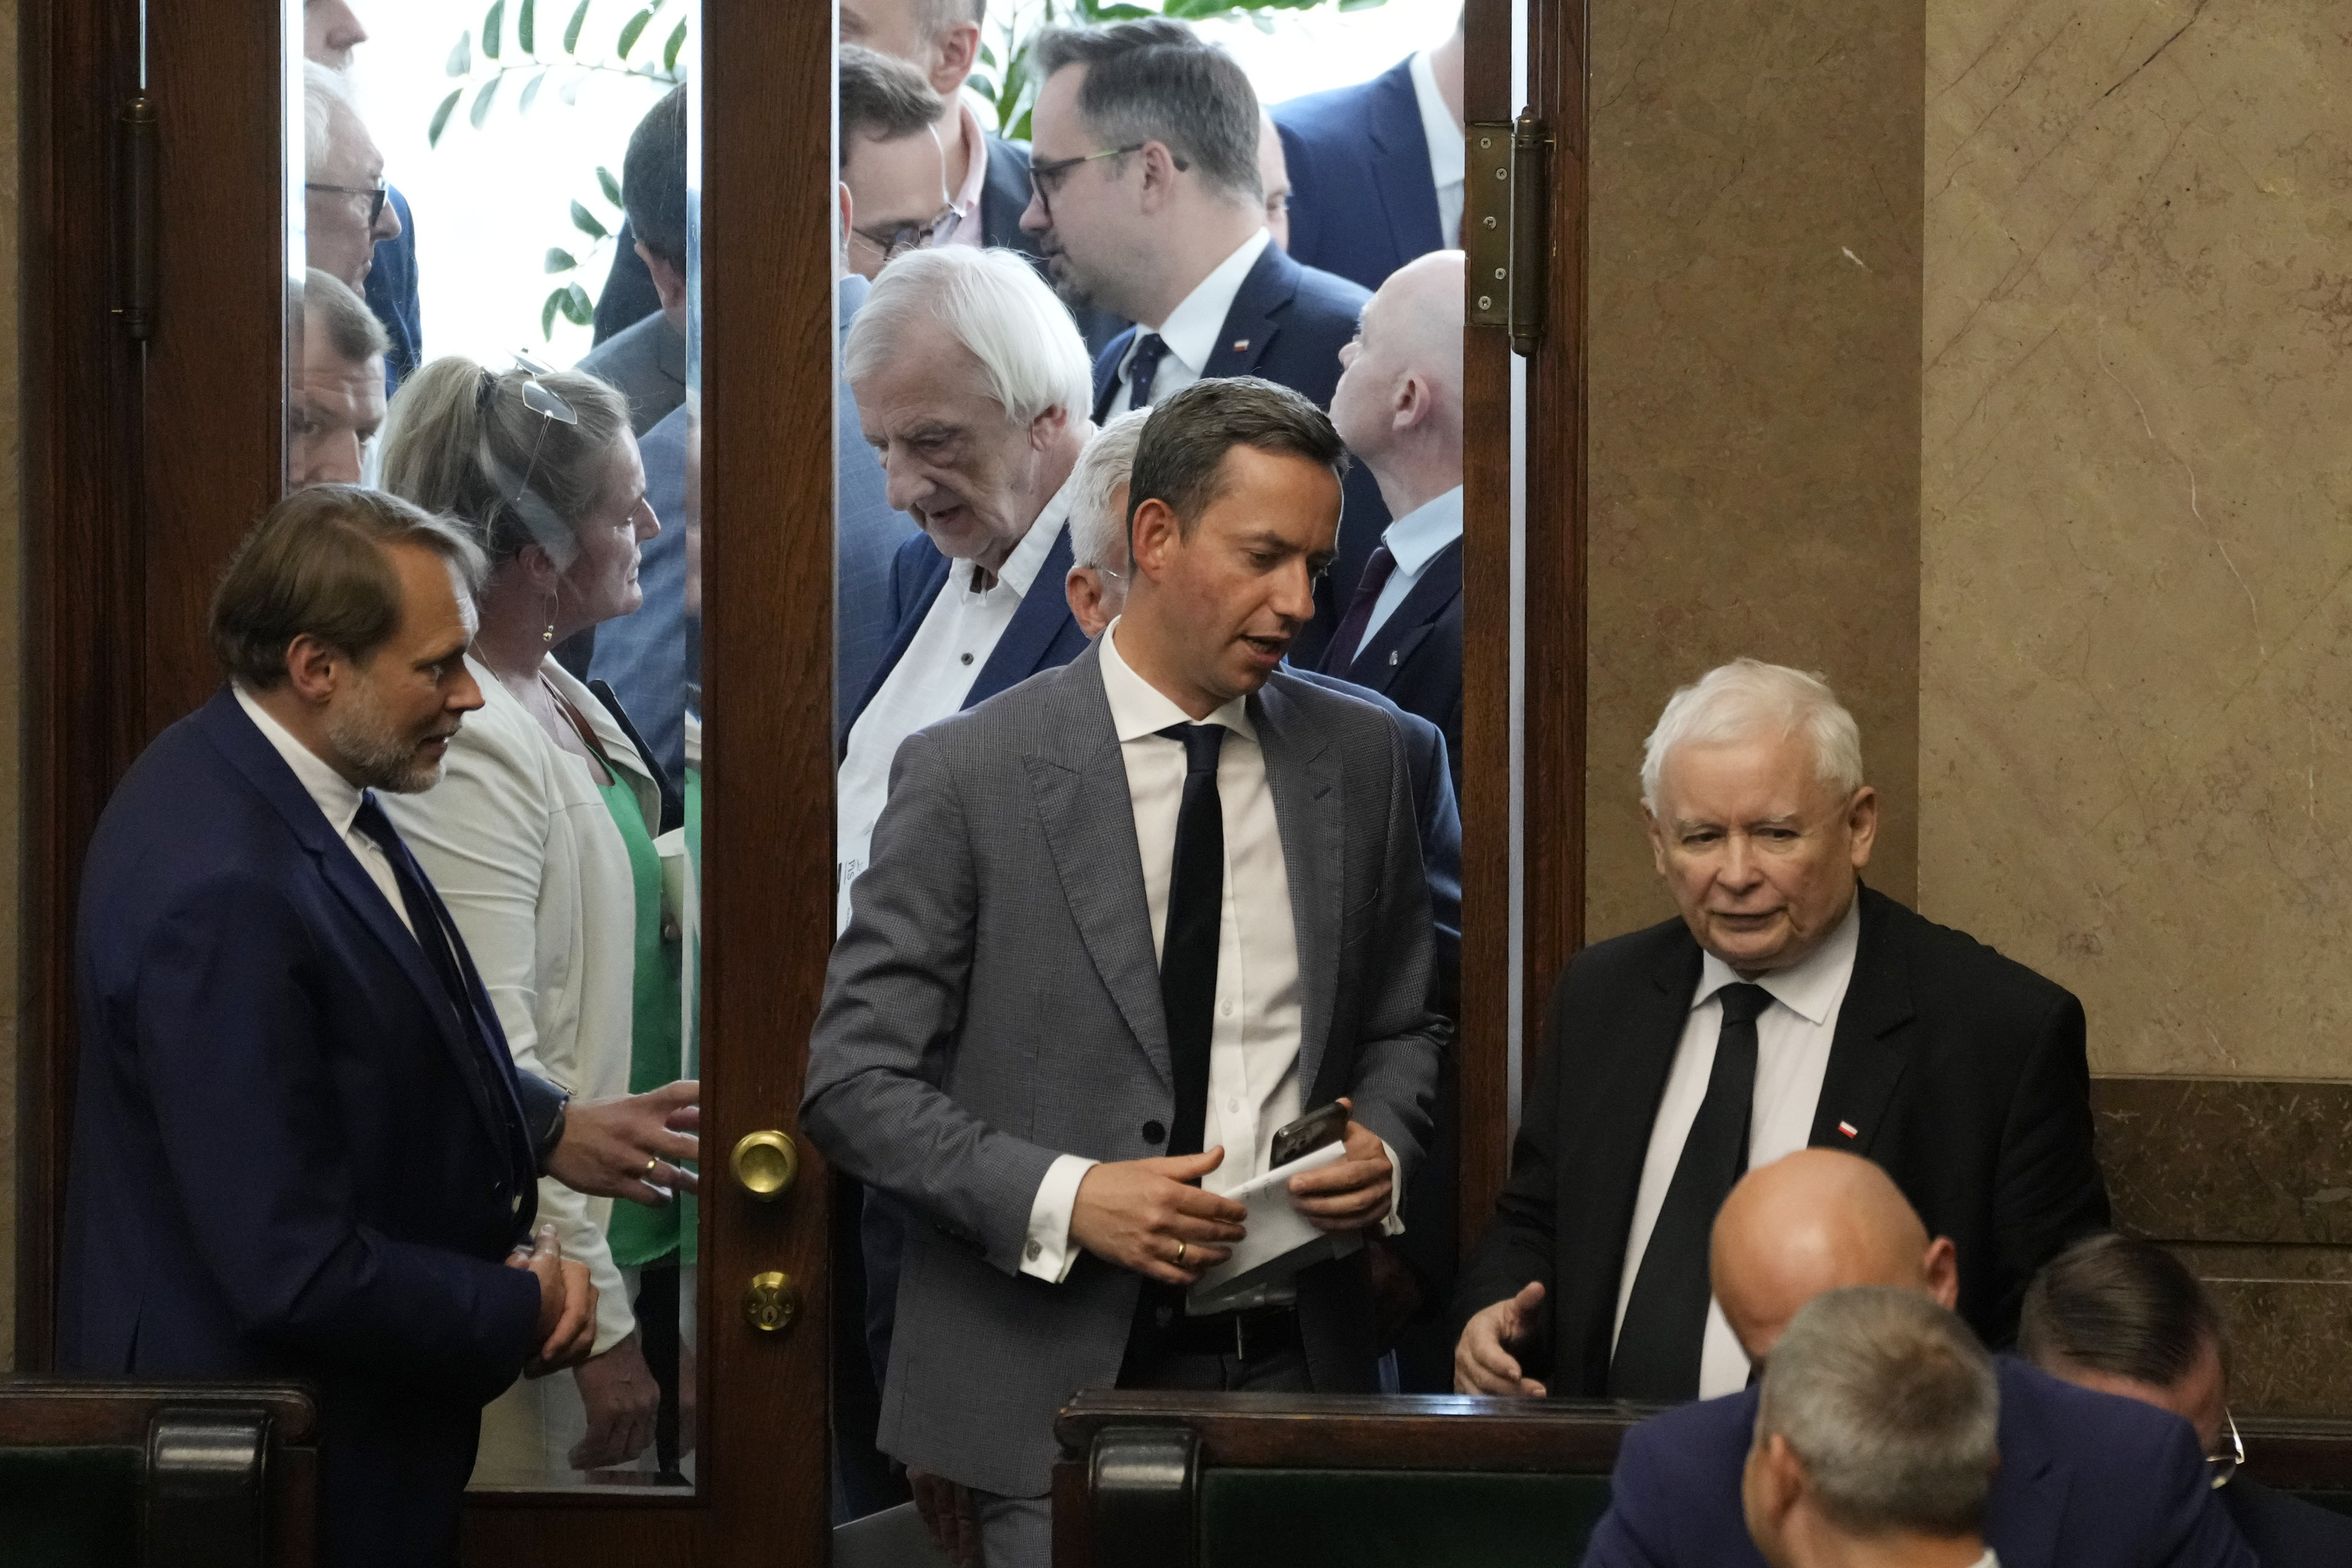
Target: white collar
{"points": [[1449, 149], [1810, 989], [1193, 329], [1139, 709], [1020, 568], [338, 798], [1416, 539]]}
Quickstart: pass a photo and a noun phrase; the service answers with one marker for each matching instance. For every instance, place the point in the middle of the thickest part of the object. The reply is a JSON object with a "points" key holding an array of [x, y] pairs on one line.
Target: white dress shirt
{"points": [[1986, 1561], [931, 681], [968, 227], [1193, 329], [1253, 1087], [1793, 1053], [1449, 149], [338, 798], [1415, 539]]}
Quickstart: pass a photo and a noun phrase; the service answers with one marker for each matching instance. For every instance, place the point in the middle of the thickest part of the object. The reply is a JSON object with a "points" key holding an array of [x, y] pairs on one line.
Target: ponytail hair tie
{"points": [[488, 390]]}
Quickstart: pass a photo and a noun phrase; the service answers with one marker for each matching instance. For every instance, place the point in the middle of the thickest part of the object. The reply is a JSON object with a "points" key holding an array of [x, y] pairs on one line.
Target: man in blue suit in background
{"points": [[300, 1146], [1376, 170], [2087, 1480], [1150, 203]]}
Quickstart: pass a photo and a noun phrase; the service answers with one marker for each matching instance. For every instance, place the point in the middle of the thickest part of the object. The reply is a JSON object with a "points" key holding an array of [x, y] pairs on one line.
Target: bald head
{"points": [[1399, 402], [1817, 1220]]}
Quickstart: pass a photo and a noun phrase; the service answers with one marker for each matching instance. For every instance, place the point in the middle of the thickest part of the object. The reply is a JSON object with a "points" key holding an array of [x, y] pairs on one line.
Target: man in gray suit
{"points": [[1122, 924], [647, 361]]}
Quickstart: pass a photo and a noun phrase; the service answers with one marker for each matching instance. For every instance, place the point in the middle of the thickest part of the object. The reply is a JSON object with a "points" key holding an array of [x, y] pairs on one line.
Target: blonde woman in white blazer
{"points": [[523, 836]]}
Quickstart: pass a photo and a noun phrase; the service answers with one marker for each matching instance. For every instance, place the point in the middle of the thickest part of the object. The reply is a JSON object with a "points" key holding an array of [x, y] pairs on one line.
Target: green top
{"points": [[640, 1235]]}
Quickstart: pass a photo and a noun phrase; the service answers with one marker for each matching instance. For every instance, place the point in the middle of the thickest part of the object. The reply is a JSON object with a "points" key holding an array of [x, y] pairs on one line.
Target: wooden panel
{"points": [[1394, 1432]]}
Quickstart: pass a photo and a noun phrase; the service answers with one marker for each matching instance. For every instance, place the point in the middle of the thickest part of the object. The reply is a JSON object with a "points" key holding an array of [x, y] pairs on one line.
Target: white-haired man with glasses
{"points": [[349, 205]]}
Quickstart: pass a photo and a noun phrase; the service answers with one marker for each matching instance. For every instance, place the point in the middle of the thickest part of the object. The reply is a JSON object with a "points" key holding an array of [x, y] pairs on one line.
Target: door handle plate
{"points": [[771, 1301], [766, 1164]]}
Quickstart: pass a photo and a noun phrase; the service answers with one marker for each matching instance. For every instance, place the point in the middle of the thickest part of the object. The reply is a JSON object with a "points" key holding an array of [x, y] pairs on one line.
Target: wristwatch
{"points": [[543, 1115]]}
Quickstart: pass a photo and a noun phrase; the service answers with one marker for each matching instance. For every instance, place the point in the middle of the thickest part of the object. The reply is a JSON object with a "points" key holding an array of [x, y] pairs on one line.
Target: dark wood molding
{"points": [[1386, 1432]]}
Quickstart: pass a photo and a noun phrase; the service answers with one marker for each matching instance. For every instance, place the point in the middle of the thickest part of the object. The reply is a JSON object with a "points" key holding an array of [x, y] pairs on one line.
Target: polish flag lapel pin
{"points": [[1849, 1129], [1240, 345]]}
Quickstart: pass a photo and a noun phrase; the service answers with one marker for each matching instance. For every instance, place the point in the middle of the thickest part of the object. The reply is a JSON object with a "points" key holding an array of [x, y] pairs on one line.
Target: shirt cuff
{"points": [[1393, 1224], [1048, 1252]]}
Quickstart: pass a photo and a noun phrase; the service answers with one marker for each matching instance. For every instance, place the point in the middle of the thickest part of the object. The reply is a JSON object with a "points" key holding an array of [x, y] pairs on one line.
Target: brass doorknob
{"points": [[766, 1164], [771, 1302]]}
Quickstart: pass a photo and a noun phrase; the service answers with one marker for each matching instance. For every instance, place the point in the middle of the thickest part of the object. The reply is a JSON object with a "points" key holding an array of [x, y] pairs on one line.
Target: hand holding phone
{"points": [[1324, 1124]]}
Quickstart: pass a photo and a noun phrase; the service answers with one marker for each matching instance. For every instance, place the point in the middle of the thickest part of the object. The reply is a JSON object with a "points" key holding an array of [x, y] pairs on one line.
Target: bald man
{"points": [[2087, 1480], [1399, 408]]}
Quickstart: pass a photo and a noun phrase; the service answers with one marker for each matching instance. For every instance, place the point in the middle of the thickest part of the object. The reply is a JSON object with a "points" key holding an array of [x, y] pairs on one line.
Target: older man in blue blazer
{"points": [[1376, 169], [2087, 1480], [300, 1147], [1149, 202]]}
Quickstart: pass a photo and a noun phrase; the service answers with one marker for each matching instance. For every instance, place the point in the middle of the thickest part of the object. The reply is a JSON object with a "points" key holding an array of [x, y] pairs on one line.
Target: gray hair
{"points": [[1747, 698], [995, 304], [1153, 80], [1098, 529], [351, 328], [324, 91], [1892, 1407]]}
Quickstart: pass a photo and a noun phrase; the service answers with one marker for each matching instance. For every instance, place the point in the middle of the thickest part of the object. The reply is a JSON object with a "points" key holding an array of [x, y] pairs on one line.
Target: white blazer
{"points": [[537, 877]]}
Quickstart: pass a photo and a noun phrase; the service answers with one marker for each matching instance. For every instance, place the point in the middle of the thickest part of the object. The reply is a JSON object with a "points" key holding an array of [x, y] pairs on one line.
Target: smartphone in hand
{"points": [[1324, 1124]]}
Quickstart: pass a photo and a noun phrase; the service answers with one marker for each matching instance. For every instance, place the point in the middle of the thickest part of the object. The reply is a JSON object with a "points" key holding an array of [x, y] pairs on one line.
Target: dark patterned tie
{"points": [[1660, 1344], [1143, 369], [1188, 943], [1348, 641]]}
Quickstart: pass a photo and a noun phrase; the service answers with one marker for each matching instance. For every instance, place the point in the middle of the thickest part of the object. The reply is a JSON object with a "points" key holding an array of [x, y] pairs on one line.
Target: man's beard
{"points": [[1070, 287], [372, 747]]}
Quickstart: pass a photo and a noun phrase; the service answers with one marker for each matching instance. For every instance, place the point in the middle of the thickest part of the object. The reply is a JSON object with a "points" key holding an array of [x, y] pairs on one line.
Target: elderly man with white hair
{"points": [[349, 206], [1788, 1007], [972, 388]]}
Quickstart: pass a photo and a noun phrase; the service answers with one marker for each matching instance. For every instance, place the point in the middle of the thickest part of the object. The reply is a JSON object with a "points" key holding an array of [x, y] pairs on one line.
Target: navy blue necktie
{"points": [[1660, 1344], [1348, 641], [1143, 369], [1188, 942]]}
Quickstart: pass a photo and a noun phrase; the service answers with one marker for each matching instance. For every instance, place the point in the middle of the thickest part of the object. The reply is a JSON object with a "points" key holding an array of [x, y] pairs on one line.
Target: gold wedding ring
{"points": [[1179, 1252], [653, 1164]]}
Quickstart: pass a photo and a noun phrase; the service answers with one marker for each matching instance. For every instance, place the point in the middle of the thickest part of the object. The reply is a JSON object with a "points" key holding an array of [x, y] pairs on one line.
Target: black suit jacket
{"points": [[1414, 657], [2287, 1531], [1288, 324], [1960, 1073]]}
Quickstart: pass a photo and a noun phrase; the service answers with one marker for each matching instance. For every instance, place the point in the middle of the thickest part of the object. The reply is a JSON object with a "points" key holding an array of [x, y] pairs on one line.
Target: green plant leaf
{"points": [[630, 29], [1360, 4], [570, 91], [578, 309], [482, 110], [1020, 131], [461, 55], [987, 56], [441, 117], [530, 93], [983, 86], [527, 27], [494, 22], [572, 28], [547, 315], [612, 186], [586, 222], [670, 49], [561, 260]]}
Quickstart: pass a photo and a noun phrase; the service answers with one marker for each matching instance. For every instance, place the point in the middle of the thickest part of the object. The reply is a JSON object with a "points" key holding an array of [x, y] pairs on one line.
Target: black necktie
{"points": [[1188, 943], [1348, 641], [1659, 1345], [1143, 369]]}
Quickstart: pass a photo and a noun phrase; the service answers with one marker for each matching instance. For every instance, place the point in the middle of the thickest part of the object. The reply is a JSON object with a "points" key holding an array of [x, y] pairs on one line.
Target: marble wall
{"points": [[2135, 755], [1754, 386]]}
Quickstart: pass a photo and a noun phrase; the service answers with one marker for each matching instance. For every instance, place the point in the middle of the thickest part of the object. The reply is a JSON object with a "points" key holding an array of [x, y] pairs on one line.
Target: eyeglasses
{"points": [[2225, 1466], [539, 399], [1045, 178], [897, 242], [377, 194]]}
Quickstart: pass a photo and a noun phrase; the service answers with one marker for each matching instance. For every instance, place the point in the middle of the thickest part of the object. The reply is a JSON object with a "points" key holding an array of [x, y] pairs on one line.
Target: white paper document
{"points": [[1280, 1240]]}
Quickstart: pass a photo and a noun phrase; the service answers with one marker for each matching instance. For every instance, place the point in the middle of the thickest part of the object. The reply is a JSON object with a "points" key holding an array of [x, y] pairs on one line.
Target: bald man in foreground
{"points": [[2087, 1480]]}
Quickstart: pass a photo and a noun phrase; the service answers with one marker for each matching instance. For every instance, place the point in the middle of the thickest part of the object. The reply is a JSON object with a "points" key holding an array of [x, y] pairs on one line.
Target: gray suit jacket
{"points": [[995, 1002], [647, 362]]}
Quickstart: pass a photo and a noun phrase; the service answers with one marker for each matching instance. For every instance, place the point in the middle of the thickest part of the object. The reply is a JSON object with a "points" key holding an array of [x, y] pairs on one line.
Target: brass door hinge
{"points": [[140, 194], [1505, 225]]}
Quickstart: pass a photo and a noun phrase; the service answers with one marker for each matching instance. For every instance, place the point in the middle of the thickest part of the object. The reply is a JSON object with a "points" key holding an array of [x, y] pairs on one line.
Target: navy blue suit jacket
{"points": [[1043, 633], [2288, 1531], [289, 1159], [1414, 657], [2087, 1480], [1288, 324], [392, 294], [1362, 202]]}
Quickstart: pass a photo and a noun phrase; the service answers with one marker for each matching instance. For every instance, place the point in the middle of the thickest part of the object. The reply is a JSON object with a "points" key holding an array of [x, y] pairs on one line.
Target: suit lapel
{"points": [[1107, 371], [1440, 585], [1866, 1058], [1044, 610], [1255, 315], [1309, 814], [1077, 776], [1401, 163]]}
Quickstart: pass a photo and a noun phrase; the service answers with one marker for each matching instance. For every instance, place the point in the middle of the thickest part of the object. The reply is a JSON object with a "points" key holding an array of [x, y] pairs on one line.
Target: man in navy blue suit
{"points": [[300, 1147], [2087, 1480], [1376, 169], [1150, 203]]}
